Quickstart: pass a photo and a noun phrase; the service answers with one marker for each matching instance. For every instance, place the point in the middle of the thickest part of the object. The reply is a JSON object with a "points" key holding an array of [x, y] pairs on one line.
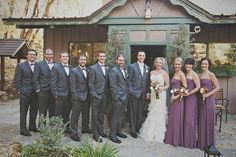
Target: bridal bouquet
{"points": [[156, 86], [184, 92], [203, 91]]}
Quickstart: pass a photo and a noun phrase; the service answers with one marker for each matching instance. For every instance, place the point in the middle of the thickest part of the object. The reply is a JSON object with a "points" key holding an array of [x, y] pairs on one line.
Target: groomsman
{"points": [[98, 86], [80, 97], [41, 79], [59, 84], [139, 88], [24, 81], [119, 92]]}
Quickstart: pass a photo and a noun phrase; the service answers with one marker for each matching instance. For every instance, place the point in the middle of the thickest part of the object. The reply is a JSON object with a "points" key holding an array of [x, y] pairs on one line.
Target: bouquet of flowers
{"points": [[156, 86], [184, 92], [203, 91], [175, 94]]}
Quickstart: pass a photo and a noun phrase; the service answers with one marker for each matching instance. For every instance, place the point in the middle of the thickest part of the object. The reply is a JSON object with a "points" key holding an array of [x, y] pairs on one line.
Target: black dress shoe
{"points": [[34, 130], [97, 139], [26, 133], [75, 137], [114, 139], [103, 135], [134, 135], [121, 135], [87, 131]]}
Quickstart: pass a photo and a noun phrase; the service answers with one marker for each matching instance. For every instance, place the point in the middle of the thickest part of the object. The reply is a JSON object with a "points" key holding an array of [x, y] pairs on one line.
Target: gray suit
{"points": [[59, 84], [24, 81], [119, 92], [139, 86], [41, 79], [80, 99], [98, 86]]}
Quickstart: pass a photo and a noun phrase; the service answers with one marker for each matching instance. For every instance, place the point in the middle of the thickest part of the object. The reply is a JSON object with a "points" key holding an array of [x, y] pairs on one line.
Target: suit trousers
{"points": [[46, 103], [98, 111], [118, 108], [63, 108], [78, 107], [28, 102], [135, 110]]}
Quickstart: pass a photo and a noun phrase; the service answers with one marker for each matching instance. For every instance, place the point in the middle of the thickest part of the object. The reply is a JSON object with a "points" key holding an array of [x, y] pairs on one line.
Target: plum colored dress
{"points": [[174, 135]]}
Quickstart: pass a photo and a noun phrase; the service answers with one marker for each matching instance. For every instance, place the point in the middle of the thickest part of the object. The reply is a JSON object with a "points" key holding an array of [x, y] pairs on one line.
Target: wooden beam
{"points": [[2, 73]]}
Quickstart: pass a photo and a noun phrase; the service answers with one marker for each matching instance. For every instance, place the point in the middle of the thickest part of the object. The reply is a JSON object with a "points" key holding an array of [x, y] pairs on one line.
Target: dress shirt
{"points": [[141, 66], [103, 68], [84, 71], [66, 67], [32, 64]]}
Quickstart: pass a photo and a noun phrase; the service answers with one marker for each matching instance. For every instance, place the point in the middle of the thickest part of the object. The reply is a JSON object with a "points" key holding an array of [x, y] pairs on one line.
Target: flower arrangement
{"points": [[156, 86], [175, 94], [203, 91], [184, 92]]}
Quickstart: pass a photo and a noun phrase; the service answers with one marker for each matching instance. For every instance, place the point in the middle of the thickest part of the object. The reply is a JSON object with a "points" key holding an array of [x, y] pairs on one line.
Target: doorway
{"points": [[152, 51]]}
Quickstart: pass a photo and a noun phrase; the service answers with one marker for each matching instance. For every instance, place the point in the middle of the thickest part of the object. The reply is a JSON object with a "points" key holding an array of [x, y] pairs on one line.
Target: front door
{"points": [[152, 51]]}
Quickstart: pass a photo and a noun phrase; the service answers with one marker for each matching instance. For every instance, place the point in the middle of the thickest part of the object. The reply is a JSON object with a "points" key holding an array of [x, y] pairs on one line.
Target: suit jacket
{"points": [[59, 81], [24, 78], [41, 77], [97, 81], [118, 84], [138, 84], [78, 84]]}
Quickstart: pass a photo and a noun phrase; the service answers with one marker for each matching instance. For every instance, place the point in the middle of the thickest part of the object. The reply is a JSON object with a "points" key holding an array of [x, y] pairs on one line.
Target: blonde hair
{"points": [[178, 59]]}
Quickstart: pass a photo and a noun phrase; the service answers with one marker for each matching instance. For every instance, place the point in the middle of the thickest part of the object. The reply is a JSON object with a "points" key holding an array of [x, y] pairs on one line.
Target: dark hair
{"points": [[31, 50], [83, 54], [189, 61], [63, 52], [120, 55], [140, 51], [101, 52], [208, 59]]}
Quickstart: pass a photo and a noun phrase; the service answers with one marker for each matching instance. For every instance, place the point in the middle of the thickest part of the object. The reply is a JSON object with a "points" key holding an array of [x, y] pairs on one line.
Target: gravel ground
{"points": [[130, 147]]}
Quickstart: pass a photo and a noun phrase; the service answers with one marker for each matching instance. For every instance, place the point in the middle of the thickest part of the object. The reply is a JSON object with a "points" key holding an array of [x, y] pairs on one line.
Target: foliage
{"points": [[50, 142], [180, 47], [113, 47], [87, 150], [231, 55], [228, 68]]}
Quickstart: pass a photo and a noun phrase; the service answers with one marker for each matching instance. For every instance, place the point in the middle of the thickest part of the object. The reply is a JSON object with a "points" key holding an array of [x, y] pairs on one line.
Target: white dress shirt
{"points": [[66, 67], [32, 65], [103, 68], [50, 64], [84, 71], [141, 66]]}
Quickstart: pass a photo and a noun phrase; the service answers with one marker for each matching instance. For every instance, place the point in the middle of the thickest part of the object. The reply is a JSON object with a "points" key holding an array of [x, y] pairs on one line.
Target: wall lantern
{"points": [[148, 10]]}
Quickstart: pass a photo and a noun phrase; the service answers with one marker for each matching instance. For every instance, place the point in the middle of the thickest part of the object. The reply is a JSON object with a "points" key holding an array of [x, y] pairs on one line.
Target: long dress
{"points": [[206, 117], [174, 135], [190, 117], [154, 127]]}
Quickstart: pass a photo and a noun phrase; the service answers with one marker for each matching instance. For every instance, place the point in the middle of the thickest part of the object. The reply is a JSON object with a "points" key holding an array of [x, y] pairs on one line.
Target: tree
{"points": [[232, 53], [113, 47]]}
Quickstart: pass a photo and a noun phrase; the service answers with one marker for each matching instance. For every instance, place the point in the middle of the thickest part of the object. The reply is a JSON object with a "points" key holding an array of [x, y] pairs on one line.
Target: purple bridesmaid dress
{"points": [[206, 117], [190, 117], [174, 135]]}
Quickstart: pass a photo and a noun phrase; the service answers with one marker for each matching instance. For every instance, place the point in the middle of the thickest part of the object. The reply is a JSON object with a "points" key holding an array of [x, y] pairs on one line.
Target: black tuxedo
{"points": [[139, 87], [98, 86], [41, 80], [59, 84], [24, 81], [80, 98], [119, 92]]}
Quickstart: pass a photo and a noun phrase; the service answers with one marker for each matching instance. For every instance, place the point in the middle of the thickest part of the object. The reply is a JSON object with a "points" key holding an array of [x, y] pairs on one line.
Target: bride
{"points": [[154, 127]]}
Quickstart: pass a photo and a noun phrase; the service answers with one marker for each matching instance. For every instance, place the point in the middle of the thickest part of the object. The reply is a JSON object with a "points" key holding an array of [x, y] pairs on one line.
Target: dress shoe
{"points": [[87, 131], [97, 139], [75, 137], [114, 139], [134, 135], [34, 130], [121, 135], [103, 135], [26, 133]]}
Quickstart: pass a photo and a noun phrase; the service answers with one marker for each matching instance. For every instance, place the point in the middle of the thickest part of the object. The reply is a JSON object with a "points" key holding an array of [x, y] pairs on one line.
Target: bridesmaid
{"points": [[174, 135], [190, 106], [208, 81]]}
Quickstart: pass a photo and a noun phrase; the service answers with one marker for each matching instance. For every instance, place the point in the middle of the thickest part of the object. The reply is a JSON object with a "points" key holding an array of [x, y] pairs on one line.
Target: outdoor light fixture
{"points": [[148, 10]]}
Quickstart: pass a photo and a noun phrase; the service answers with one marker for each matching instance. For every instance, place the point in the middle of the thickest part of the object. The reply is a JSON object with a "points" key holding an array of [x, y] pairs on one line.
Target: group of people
{"points": [[61, 90]]}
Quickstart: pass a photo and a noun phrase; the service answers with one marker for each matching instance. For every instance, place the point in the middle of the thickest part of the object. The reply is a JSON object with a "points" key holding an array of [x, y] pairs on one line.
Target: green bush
{"points": [[228, 68]]}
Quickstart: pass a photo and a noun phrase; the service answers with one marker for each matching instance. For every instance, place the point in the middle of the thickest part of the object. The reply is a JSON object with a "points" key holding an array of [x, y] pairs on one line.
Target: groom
{"points": [[139, 87]]}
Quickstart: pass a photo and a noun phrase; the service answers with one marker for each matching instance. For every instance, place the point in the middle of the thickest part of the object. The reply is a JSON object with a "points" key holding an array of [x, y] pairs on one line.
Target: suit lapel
{"points": [[63, 69], [99, 67], [46, 65], [81, 71], [118, 68], [28, 66]]}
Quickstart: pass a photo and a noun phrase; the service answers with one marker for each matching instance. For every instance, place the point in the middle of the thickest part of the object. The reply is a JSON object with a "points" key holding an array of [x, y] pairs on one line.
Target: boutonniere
{"points": [[146, 69], [126, 73], [106, 67]]}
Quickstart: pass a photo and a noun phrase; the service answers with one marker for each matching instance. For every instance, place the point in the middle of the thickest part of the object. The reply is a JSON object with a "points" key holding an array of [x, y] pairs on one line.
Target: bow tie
{"points": [[32, 64], [83, 68], [67, 66], [103, 65], [49, 62]]}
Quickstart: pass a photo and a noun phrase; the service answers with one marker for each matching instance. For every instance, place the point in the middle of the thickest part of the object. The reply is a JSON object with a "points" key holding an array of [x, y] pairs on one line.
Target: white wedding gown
{"points": [[154, 127]]}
